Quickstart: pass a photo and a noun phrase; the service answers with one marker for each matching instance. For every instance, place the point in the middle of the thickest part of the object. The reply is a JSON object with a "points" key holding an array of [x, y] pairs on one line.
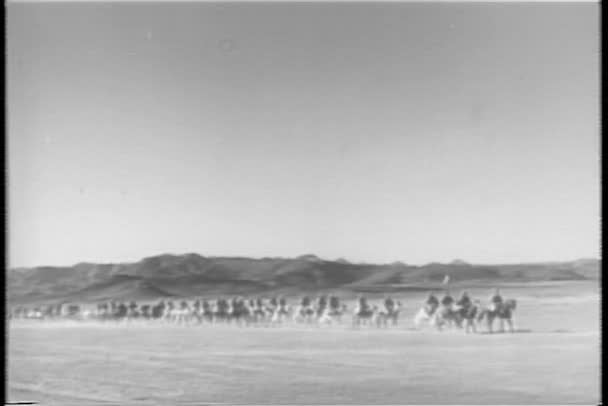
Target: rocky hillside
{"points": [[193, 275]]}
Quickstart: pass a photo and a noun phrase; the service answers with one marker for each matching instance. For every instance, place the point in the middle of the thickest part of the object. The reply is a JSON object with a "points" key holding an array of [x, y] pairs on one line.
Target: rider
{"points": [[496, 300], [334, 303], [282, 305], [464, 301], [432, 303], [274, 302], [364, 307], [322, 304], [389, 304], [447, 300]]}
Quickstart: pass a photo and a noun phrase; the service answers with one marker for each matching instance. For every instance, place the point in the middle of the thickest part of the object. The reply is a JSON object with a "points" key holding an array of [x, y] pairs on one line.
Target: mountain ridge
{"points": [[191, 274]]}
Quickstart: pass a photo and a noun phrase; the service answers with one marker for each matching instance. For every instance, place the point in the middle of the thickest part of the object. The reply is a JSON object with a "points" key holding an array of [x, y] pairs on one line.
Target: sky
{"points": [[373, 132]]}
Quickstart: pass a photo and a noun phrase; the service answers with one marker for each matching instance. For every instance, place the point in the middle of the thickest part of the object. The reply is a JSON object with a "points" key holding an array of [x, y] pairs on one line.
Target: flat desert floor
{"points": [[554, 358]]}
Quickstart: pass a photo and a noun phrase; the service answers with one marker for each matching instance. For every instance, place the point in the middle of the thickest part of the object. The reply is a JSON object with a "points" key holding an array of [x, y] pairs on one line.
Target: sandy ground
{"points": [[553, 359]]}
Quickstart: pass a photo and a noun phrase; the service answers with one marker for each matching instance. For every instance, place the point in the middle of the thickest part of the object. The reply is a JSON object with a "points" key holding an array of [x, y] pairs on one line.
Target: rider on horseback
{"points": [[431, 303], [306, 309], [389, 303], [447, 300], [334, 303], [364, 307], [464, 301], [282, 308], [496, 300]]}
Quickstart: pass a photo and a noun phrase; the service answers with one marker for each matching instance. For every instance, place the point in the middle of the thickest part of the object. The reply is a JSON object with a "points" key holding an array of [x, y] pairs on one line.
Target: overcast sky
{"points": [[412, 132]]}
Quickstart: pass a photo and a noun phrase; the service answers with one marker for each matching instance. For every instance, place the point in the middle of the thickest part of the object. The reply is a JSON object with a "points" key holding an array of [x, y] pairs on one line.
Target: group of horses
{"points": [[237, 310], [275, 311], [468, 316]]}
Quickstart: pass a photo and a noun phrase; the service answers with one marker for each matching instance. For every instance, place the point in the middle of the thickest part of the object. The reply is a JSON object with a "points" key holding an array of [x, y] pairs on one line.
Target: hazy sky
{"points": [[412, 132]]}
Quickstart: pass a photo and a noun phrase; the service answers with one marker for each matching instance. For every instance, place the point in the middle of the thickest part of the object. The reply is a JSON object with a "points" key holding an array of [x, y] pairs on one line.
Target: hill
{"points": [[193, 274]]}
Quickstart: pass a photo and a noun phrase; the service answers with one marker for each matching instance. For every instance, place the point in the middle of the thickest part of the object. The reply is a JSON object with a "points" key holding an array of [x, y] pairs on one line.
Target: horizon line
{"points": [[455, 261]]}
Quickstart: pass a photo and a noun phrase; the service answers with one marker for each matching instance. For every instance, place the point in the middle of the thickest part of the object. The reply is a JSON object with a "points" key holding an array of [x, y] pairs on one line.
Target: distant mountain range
{"points": [[191, 275]]}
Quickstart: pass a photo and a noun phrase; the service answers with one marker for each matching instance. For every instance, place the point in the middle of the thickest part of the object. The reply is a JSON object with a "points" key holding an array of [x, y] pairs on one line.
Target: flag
{"points": [[446, 280]]}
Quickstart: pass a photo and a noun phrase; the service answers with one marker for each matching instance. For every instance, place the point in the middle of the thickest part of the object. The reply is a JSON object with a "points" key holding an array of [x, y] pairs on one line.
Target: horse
{"points": [[196, 311], [334, 312], [466, 314], [241, 313], [57, 311], [469, 315], [169, 312], [260, 311], [503, 312], [133, 311], [207, 311], [364, 313], [425, 315], [221, 312], [73, 311], [88, 314], [102, 311], [184, 314], [120, 311], [272, 305], [444, 316], [281, 312], [158, 310], [304, 313], [322, 304], [332, 315], [47, 312], [145, 312], [392, 311], [34, 313]]}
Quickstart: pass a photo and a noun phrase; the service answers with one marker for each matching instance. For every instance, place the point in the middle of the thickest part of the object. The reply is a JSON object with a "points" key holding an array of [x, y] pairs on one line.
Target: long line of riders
{"points": [[324, 310]]}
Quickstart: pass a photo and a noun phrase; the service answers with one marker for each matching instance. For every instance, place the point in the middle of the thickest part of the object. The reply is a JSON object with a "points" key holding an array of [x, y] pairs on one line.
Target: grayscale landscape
{"points": [[301, 203], [150, 362]]}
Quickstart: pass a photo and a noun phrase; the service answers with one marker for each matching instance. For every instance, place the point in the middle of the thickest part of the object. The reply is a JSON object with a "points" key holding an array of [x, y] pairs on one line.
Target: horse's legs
{"points": [[502, 324]]}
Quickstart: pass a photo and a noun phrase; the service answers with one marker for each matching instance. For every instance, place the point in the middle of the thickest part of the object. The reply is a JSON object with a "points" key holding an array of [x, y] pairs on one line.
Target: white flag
{"points": [[446, 280]]}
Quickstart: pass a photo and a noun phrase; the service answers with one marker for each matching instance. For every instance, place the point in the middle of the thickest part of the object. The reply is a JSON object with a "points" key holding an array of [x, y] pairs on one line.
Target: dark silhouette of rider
{"points": [[364, 307], [432, 303], [464, 301], [334, 302], [496, 299], [389, 303], [447, 300], [323, 301]]}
